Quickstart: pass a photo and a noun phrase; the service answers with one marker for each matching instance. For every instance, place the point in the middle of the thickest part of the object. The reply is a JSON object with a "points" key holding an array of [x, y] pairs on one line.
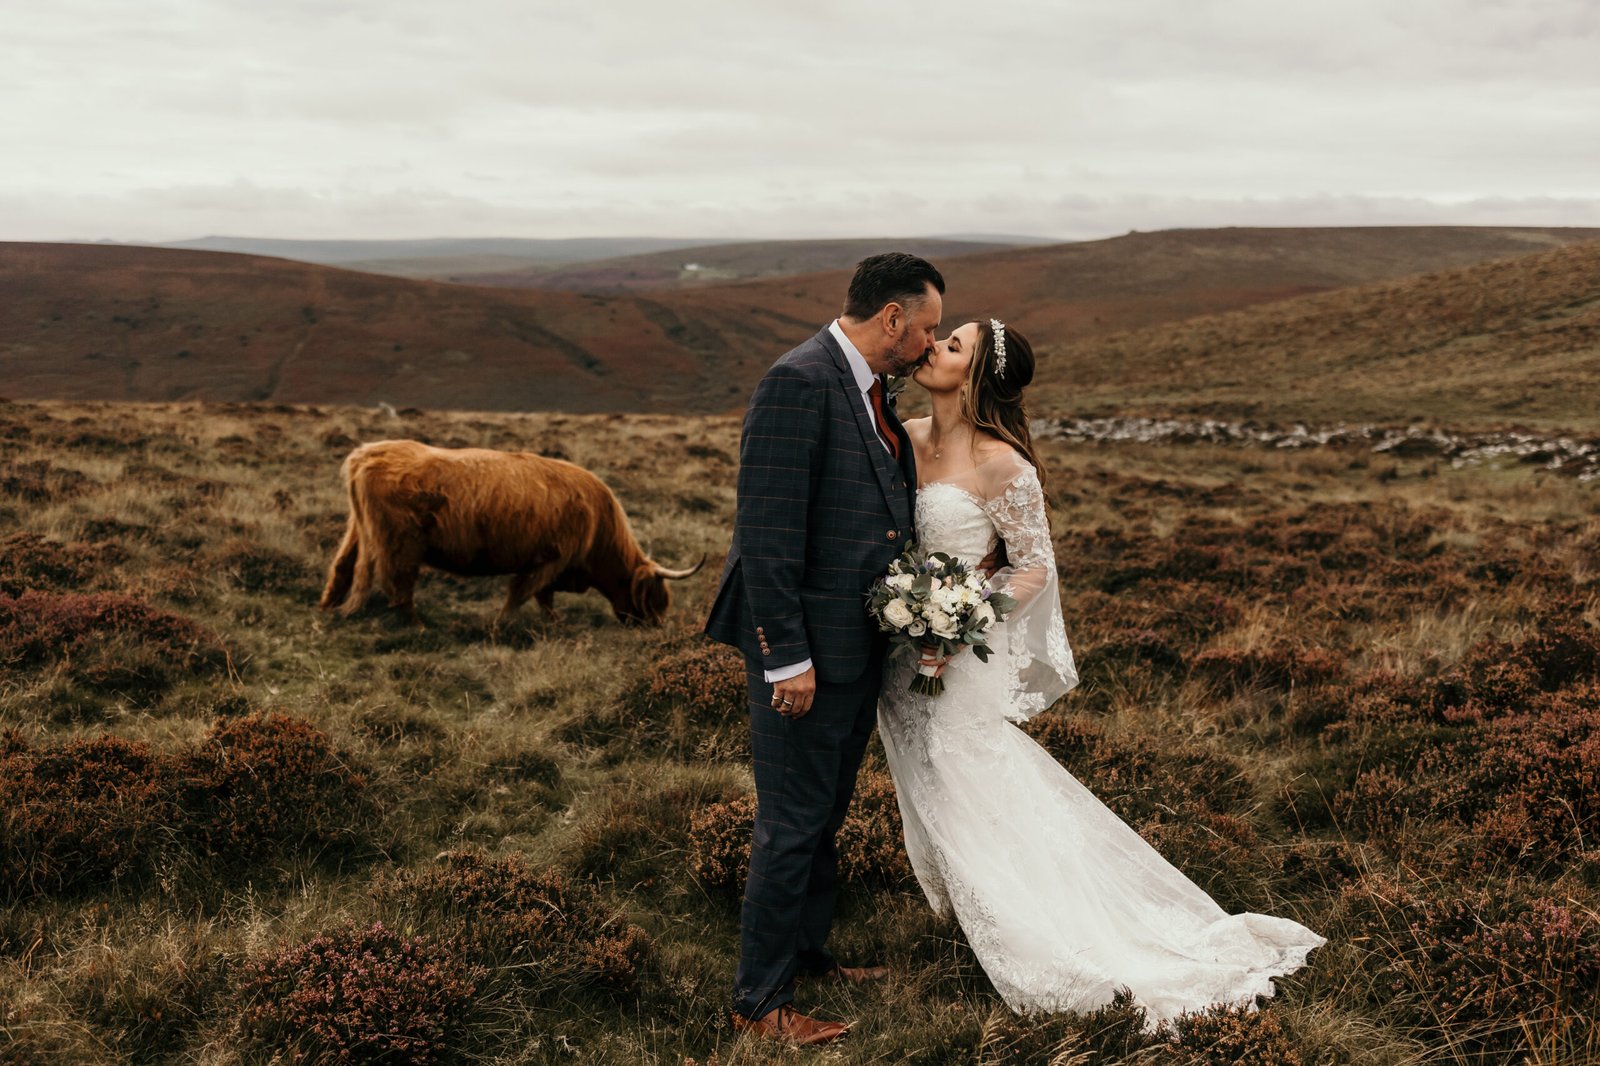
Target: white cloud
{"points": [[505, 117]]}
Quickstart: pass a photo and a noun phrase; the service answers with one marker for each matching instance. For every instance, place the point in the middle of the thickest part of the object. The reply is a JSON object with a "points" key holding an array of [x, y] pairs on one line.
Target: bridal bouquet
{"points": [[930, 600]]}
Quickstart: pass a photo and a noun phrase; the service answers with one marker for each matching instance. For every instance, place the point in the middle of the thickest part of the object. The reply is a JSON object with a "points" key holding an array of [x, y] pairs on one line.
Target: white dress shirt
{"points": [[864, 379]]}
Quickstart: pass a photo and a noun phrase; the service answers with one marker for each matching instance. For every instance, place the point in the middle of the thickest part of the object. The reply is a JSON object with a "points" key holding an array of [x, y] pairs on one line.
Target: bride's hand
{"points": [[931, 657], [994, 560]]}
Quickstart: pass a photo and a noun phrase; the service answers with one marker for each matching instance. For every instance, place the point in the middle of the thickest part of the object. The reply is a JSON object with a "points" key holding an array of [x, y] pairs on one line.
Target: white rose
{"points": [[942, 625], [897, 614], [983, 614]]}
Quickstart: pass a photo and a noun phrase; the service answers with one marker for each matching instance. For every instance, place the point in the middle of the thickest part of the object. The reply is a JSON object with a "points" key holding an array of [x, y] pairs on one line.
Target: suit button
{"points": [[891, 534]]}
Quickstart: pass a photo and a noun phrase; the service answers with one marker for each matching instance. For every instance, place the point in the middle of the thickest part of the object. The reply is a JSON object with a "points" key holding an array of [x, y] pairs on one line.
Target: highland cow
{"points": [[553, 526]]}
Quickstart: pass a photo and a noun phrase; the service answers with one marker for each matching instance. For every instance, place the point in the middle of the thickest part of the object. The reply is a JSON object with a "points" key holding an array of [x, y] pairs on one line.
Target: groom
{"points": [[825, 495]]}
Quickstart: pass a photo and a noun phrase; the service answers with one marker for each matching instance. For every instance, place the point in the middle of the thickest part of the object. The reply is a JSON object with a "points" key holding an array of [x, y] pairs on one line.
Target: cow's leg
{"points": [[343, 570], [361, 587], [536, 582], [403, 585]]}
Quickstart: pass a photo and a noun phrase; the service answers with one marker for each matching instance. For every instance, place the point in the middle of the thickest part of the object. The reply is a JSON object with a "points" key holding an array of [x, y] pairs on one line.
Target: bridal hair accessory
{"points": [[999, 328]]}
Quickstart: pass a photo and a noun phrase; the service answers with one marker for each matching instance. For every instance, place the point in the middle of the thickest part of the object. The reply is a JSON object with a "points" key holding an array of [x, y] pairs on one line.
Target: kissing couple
{"points": [[1062, 902]]}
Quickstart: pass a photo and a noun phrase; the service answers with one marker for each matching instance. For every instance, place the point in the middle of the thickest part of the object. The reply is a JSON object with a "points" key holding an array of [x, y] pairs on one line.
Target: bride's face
{"points": [[946, 368]]}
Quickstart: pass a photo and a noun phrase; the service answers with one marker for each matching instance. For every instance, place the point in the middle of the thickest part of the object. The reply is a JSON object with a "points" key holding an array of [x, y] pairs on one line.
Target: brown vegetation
{"points": [[86, 813], [359, 994], [165, 324], [1360, 694], [1514, 341]]}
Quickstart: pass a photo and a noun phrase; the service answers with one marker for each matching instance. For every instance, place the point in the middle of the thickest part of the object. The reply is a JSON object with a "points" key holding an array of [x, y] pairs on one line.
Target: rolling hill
{"points": [[525, 250], [716, 264], [1506, 342], [99, 322]]}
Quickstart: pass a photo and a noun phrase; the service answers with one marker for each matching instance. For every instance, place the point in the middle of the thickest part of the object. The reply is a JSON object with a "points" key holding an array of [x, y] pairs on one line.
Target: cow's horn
{"points": [[674, 575]]}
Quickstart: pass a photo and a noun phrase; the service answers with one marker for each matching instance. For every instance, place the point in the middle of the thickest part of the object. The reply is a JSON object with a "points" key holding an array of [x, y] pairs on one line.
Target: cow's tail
{"points": [[342, 574]]}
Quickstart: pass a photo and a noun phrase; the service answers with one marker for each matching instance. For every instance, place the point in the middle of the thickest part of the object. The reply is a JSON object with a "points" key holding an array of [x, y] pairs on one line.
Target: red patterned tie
{"points": [[876, 395]]}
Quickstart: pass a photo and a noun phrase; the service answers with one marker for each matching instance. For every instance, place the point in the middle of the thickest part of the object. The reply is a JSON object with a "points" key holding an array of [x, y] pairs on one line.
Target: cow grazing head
{"points": [[649, 597]]}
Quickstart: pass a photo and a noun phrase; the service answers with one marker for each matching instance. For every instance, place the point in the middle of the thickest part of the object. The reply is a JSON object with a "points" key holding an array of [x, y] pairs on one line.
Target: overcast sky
{"points": [[169, 119]]}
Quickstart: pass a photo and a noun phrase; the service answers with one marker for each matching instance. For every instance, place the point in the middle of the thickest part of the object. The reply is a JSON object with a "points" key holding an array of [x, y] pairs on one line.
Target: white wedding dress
{"points": [[1061, 901]]}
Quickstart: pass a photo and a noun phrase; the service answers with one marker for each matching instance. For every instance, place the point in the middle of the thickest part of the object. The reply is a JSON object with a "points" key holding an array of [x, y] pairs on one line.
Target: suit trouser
{"points": [[805, 770]]}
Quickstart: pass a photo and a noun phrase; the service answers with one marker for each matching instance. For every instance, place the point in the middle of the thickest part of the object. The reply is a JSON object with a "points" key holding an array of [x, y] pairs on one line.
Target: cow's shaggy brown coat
{"points": [[551, 525]]}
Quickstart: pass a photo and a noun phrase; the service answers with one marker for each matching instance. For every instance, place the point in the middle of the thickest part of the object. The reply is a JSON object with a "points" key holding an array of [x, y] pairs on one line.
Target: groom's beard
{"points": [[900, 363]]}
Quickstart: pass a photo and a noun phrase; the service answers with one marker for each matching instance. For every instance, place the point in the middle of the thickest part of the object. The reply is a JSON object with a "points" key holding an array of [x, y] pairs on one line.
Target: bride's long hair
{"points": [[993, 402]]}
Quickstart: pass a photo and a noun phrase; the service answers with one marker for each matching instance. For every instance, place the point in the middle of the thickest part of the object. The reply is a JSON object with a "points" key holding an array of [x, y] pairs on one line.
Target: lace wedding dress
{"points": [[1061, 901]]}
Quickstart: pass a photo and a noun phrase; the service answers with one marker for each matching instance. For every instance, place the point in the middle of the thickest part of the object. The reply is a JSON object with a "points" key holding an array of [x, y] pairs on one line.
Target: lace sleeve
{"points": [[1033, 637]]}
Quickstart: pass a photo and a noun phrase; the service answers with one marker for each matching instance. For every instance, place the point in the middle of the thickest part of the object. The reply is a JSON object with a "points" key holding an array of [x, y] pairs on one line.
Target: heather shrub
{"points": [[1234, 1036], [1118, 1029], [30, 562], [108, 642], [1486, 966], [1280, 665], [719, 845], [691, 702], [254, 568], [1138, 777], [870, 842], [266, 782], [1544, 763], [1222, 853], [555, 934], [707, 677], [1498, 676], [81, 815], [359, 995], [40, 481], [1134, 648]]}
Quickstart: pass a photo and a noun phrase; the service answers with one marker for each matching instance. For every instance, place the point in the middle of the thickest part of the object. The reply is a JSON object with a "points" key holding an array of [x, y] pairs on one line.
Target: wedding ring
{"points": [[788, 703]]}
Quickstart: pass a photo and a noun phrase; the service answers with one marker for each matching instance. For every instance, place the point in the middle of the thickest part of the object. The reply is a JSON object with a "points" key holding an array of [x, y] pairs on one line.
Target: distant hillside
{"points": [[132, 323], [528, 250], [128, 323], [715, 264], [1509, 342]]}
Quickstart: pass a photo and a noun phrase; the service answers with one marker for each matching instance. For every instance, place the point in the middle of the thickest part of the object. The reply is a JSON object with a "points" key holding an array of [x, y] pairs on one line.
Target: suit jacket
{"points": [[822, 510]]}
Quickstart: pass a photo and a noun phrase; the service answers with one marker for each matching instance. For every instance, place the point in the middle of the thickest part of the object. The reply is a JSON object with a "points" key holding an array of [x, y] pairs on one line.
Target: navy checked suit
{"points": [[822, 509]]}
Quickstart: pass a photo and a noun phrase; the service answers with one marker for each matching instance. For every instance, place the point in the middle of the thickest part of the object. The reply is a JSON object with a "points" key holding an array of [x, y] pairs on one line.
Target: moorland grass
{"points": [[1358, 692]]}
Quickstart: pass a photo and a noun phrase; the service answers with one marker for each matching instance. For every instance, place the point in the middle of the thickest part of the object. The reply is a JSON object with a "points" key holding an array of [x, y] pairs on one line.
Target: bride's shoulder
{"points": [[1000, 464], [992, 449], [917, 427]]}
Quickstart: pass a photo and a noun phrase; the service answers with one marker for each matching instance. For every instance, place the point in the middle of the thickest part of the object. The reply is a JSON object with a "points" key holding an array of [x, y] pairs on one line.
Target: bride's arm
{"points": [[1039, 662], [1014, 501]]}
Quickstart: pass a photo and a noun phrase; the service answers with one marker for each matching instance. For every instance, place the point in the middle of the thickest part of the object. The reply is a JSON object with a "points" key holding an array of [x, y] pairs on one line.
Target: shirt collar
{"points": [[858, 362]]}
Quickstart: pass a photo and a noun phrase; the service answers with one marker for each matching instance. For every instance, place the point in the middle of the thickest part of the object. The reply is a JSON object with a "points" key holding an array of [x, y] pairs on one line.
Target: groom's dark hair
{"points": [[893, 277]]}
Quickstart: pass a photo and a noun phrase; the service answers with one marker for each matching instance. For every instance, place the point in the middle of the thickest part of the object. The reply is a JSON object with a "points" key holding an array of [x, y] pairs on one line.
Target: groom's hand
{"points": [[798, 691]]}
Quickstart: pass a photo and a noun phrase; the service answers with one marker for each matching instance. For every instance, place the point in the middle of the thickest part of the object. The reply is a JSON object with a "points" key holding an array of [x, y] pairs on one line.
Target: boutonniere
{"points": [[895, 387]]}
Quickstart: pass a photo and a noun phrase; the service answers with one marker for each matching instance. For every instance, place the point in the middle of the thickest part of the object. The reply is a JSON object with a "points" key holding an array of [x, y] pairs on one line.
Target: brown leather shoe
{"points": [[851, 975], [789, 1025]]}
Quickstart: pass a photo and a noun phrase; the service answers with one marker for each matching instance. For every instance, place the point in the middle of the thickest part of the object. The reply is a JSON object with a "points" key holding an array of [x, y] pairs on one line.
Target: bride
{"points": [[1061, 901]]}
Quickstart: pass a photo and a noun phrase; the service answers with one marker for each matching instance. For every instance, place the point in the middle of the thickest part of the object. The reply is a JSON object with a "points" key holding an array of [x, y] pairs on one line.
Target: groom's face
{"points": [[912, 331]]}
